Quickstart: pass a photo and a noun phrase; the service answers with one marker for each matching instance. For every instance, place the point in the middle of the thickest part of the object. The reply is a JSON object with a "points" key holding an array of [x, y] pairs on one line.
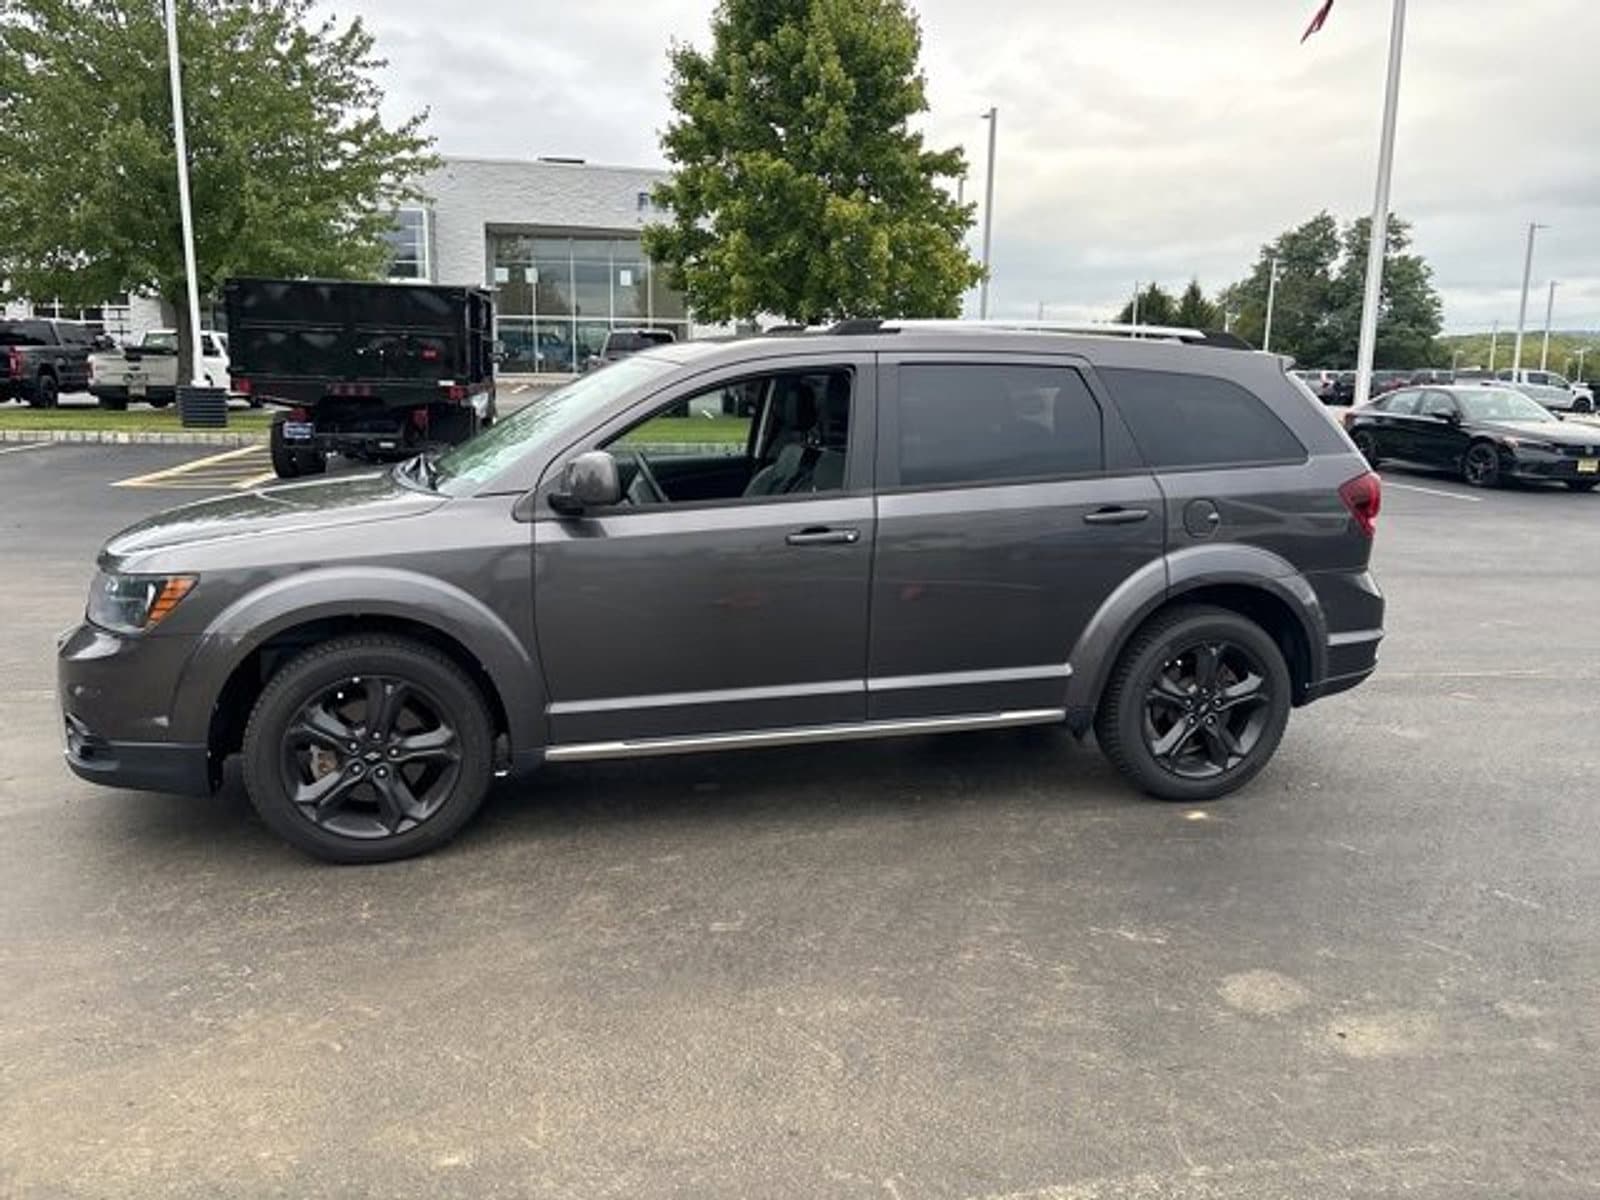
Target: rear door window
{"points": [[1181, 420], [1401, 404], [992, 423]]}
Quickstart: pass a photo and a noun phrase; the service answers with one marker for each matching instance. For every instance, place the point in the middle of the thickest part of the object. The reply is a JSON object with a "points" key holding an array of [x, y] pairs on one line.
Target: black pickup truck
{"points": [[372, 371], [40, 359]]}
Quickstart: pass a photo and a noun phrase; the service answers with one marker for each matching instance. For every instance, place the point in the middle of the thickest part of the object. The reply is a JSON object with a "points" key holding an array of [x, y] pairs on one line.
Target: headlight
{"points": [[1522, 443], [135, 603]]}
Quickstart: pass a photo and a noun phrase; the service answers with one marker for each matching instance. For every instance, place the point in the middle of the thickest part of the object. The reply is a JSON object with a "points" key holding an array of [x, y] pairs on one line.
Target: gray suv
{"points": [[886, 528]]}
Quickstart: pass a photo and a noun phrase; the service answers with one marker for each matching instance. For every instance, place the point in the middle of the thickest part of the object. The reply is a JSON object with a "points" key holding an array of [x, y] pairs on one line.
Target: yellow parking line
{"points": [[200, 472], [257, 480]]}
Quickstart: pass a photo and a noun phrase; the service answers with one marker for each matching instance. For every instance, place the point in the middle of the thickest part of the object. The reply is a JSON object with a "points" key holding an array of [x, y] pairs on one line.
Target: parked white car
{"points": [[1582, 393], [149, 370]]}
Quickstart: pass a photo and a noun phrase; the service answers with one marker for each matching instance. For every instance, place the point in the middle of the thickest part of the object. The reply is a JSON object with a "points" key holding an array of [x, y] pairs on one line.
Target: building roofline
{"points": [[616, 168]]}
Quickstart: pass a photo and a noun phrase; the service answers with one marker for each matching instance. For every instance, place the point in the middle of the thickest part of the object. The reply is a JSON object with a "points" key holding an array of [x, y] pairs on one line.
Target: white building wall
{"points": [[469, 197]]}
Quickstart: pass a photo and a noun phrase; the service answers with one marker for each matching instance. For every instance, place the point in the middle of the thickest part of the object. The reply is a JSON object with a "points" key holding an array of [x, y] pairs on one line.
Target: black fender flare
{"points": [[355, 592], [1169, 578]]}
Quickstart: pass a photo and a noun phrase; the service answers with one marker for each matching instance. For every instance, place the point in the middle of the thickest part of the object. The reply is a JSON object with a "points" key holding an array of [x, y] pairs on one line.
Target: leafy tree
{"points": [[1195, 311], [800, 188], [1156, 307], [1410, 313], [1317, 310], [292, 171]]}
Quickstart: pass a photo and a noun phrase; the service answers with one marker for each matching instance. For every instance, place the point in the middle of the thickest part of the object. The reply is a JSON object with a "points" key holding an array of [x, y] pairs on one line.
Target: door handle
{"points": [[824, 537], [1116, 516]]}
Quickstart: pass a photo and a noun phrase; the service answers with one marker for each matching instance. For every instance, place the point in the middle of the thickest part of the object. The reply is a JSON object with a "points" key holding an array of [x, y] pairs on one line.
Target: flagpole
{"points": [[186, 214], [1378, 246]]}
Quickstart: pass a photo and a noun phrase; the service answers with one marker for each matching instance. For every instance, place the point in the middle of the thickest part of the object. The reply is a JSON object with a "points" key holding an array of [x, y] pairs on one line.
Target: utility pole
{"points": [[186, 215], [1494, 344], [1582, 350], [1549, 309], [993, 117], [1136, 286], [1272, 297], [1522, 310], [1379, 239]]}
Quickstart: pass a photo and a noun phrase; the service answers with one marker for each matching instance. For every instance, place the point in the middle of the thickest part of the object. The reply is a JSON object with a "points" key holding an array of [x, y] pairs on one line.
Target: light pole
{"points": [[1379, 240], [1272, 299], [993, 117], [1549, 310], [1135, 319], [1494, 344], [186, 215], [1582, 350], [1522, 310]]}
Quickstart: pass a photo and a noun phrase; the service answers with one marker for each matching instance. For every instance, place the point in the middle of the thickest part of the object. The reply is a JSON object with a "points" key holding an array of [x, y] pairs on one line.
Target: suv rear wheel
{"points": [[1196, 705], [367, 749], [47, 393]]}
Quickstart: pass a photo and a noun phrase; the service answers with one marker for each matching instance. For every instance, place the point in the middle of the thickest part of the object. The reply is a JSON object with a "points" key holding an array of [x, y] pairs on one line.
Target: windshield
{"points": [[1502, 404], [541, 422], [162, 339]]}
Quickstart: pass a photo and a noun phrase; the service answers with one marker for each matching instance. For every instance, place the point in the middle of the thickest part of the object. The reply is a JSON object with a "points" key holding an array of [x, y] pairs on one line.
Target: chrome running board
{"points": [[706, 742]]}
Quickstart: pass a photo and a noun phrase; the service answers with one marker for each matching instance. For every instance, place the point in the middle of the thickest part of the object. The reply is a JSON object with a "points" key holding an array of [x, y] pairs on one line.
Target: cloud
{"points": [[1155, 139]]}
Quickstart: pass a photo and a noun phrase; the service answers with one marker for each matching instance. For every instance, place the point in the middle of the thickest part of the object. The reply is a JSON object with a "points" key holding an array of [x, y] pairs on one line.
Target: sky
{"points": [[1145, 140]]}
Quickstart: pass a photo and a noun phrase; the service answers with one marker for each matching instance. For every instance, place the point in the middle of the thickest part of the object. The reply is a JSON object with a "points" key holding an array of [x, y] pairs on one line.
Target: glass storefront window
{"points": [[558, 297], [408, 245]]}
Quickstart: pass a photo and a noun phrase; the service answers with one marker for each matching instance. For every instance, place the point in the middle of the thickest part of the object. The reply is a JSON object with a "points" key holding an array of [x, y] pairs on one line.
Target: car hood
{"points": [[282, 508], [1561, 432]]}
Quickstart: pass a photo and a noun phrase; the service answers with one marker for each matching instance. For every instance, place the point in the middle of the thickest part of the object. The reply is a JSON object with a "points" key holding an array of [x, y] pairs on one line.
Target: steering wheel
{"points": [[651, 489]]}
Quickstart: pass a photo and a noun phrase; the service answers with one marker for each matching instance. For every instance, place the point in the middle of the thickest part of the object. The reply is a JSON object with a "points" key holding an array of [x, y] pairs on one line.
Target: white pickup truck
{"points": [[149, 370]]}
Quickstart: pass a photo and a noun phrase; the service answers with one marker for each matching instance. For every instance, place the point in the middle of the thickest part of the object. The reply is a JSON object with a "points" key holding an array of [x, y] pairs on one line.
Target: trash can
{"points": [[203, 407]]}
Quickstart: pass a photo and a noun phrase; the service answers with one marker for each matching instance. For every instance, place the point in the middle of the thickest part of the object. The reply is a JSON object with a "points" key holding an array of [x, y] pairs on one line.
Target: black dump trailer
{"points": [[372, 371]]}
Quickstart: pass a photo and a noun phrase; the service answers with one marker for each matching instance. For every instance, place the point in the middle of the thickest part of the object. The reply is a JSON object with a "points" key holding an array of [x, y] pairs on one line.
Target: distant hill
{"points": [[1564, 347]]}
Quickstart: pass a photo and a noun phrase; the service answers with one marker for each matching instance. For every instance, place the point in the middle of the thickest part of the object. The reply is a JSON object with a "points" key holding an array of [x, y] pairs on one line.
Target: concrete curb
{"points": [[125, 437]]}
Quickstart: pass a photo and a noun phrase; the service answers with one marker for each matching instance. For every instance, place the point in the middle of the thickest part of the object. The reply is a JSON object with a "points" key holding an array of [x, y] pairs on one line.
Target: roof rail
{"points": [[1170, 333]]}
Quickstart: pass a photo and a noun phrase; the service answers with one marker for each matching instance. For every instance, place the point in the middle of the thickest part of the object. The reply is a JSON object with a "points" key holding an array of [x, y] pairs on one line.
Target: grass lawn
{"points": [[696, 430], [135, 420]]}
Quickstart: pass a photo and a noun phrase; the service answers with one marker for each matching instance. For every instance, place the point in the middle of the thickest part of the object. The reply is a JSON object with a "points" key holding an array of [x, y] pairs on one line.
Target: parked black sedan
{"points": [[1486, 434]]}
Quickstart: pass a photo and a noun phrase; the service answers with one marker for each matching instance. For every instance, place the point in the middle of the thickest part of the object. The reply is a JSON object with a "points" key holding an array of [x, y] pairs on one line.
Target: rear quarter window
{"points": [[1183, 420]]}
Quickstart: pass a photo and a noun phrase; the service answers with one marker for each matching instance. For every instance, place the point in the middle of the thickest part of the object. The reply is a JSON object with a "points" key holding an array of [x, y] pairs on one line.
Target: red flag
{"points": [[1317, 21]]}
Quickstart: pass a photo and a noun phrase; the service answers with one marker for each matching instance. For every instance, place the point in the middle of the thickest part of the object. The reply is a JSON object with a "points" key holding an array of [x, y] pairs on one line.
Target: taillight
{"points": [[241, 385], [299, 414], [14, 363], [1363, 496]]}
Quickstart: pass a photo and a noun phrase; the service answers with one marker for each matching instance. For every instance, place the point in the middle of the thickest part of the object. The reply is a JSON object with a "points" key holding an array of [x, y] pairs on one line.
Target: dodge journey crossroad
{"points": [[883, 528]]}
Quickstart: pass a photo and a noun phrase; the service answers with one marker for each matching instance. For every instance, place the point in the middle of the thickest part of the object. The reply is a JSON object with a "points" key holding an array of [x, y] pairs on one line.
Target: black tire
{"points": [[1198, 722], [114, 403], [1583, 406], [1368, 445], [452, 425], [1480, 465], [362, 820], [158, 401], [1582, 485], [47, 392], [285, 461]]}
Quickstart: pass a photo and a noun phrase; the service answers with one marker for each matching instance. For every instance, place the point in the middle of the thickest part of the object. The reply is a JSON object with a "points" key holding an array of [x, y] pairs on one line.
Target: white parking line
{"points": [[23, 449], [1411, 487]]}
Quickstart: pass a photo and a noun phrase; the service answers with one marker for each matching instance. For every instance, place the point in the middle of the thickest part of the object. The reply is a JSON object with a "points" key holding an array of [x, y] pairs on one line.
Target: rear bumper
{"points": [[119, 391], [1351, 658]]}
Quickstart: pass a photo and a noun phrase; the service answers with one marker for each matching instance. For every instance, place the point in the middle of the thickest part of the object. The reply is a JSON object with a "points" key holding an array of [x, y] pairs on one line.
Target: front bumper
{"points": [[1536, 466], [116, 694]]}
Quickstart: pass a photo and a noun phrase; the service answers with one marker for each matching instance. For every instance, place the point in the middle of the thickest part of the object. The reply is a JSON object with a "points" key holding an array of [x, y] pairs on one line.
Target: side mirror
{"points": [[1450, 418], [589, 481]]}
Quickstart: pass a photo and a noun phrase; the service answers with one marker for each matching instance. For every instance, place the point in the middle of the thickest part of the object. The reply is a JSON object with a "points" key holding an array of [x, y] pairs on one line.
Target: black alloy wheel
{"points": [[1481, 466], [370, 757], [1196, 705], [368, 748], [1206, 708], [1367, 444]]}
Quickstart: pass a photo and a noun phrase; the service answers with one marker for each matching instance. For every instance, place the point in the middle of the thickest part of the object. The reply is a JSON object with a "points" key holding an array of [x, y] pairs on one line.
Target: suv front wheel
{"points": [[367, 749], [1196, 706]]}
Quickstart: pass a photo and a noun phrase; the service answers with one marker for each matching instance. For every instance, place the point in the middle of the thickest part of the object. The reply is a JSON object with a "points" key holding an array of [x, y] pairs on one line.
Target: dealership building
{"points": [[557, 240]]}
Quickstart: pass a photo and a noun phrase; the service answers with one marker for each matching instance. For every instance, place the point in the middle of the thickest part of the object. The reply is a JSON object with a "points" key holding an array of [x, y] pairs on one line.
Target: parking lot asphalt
{"points": [[977, 966]]}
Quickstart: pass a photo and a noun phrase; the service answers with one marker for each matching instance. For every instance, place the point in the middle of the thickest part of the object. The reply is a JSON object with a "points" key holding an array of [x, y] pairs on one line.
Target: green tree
{"points": [[1156, 307], [292, 171], [799, 188], [1410, 313], [1305, 258], [1195, 311]]}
